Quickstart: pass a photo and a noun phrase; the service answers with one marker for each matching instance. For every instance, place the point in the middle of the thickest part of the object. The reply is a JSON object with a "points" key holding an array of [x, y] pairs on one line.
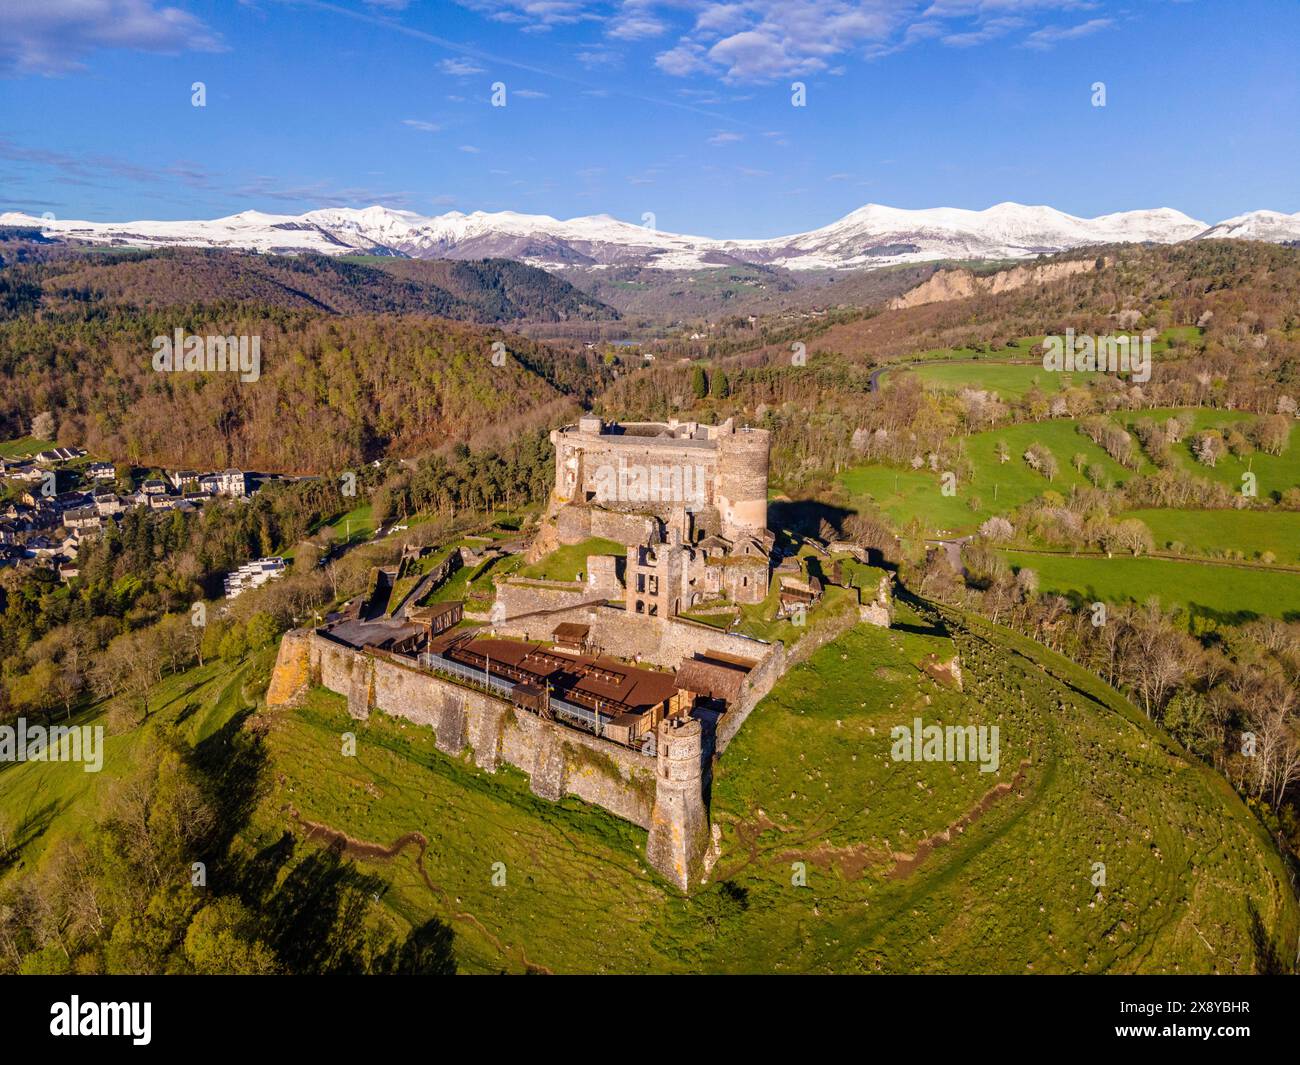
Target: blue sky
{"points": [[682, 109]]}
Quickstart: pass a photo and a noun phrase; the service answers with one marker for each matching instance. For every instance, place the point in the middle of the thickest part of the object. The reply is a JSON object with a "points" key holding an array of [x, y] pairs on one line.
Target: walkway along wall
{"points": [[663, 794]]}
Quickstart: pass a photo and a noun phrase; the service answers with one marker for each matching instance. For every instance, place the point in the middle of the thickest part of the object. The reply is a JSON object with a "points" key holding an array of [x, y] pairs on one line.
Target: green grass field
{"points": [[1274, 473], [24, 445], [904, 494], [1221, 532], [996, 487], [474, 584], [43, 802], [1016, 349], [1008, 380], [952, 369], [910, 867], [354, 527], [1199, 587]]}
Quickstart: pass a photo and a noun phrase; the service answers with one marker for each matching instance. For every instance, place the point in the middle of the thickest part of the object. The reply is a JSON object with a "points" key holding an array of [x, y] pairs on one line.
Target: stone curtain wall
{"points": [[762, 678], [558, 760], [573, 524]]}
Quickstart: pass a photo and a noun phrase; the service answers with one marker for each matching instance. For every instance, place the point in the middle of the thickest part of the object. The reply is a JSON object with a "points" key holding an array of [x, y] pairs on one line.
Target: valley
{"points": [[1121, 831]]}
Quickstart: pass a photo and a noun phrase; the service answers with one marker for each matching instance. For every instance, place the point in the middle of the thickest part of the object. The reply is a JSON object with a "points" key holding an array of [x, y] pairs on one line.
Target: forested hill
{"points": [[486, 291], [498, 290], [333, 390]]}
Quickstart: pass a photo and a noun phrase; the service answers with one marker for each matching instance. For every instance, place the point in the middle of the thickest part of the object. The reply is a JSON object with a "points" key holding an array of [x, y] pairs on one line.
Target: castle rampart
{"points": [[666, 797]]}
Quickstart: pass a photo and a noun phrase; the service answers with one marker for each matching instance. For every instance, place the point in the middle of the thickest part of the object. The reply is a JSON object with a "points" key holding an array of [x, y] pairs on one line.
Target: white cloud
{"points": [[1050, 35], [459, 67], [764, 40], [534, 14], [421, 125], [687, 58], [988, 31], [726, 136], [599, 58], [54, 36], [637, 26], [721, 18]]}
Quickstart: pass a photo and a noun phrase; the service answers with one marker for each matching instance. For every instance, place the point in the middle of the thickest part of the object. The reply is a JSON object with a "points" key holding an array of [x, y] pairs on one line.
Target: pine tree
{"points": [[699, 382]]}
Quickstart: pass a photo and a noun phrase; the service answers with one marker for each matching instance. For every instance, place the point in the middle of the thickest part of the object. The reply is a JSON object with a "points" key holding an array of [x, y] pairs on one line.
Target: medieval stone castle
{"points": [[599, 687], [689, 500]]}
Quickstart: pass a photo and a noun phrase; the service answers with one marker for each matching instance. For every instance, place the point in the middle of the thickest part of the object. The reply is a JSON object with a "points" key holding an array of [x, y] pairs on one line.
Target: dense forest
{"points": [[333, 391], [487, 291]]}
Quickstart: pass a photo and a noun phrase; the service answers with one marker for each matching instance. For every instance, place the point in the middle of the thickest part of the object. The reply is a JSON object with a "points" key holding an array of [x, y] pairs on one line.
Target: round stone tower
{"points": [[742, 481], [679, 825]]}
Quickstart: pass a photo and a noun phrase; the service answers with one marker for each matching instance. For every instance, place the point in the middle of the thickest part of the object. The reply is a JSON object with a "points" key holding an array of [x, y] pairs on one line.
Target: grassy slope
{"points": [[565, 563], [44, 802], [1274, 473], [1009, 380], [23, 445], [949, 370], [810, 779], [999, 487]]}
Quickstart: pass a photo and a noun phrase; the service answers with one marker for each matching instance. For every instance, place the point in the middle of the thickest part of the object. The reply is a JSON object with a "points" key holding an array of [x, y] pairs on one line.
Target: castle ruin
{"points": [[688, 500]]}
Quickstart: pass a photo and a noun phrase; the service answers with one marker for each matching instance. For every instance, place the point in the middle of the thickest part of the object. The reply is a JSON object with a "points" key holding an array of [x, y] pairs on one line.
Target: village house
{"points": [[108, 503], [185, 480], [59, 454], [41, 547], [25, 472], [232, 482], [82, 518]]}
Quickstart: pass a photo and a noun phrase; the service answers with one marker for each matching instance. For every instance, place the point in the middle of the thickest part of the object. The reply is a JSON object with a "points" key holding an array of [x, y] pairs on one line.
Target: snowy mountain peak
{"points": [[874, 235], [1271, 226]]}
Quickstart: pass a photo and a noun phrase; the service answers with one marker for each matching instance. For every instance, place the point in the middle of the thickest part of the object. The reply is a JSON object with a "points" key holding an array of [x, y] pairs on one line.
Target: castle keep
{"points": [[688, 500]]}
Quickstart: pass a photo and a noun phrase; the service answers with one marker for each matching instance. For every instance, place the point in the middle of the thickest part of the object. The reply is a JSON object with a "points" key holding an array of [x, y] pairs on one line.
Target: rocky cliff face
{"points": [[961, 284]]}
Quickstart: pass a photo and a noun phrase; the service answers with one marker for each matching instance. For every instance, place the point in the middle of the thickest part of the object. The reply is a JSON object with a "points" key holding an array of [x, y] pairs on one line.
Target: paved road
{"points": [[952, 548]]}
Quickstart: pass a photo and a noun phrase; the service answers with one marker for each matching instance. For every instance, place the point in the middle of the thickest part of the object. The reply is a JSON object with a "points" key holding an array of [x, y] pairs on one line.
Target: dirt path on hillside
{"points": [[854, 859], [906, 864], [377, 852]]}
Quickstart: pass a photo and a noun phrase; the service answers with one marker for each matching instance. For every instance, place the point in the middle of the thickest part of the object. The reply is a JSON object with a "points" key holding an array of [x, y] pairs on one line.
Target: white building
{"points": [[253, 575]]}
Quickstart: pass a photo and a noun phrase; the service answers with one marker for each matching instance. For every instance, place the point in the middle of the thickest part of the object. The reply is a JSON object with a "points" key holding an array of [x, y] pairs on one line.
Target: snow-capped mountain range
{"points": [[872, 236]]}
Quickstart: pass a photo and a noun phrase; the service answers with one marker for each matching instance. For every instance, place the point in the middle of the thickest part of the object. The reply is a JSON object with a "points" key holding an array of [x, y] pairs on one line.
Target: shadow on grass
{"points": [[1269, 957], [806, 517], [935, 626], [35, 823], [313, 910]]}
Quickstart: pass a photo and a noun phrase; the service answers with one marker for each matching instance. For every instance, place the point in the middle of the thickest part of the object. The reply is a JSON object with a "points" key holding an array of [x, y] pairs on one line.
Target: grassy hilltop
{"points": [[931, 867]]}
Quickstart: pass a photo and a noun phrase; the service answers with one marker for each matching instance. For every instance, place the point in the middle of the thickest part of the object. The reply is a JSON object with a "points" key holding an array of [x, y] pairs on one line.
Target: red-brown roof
{"points": [[591, 678]]}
